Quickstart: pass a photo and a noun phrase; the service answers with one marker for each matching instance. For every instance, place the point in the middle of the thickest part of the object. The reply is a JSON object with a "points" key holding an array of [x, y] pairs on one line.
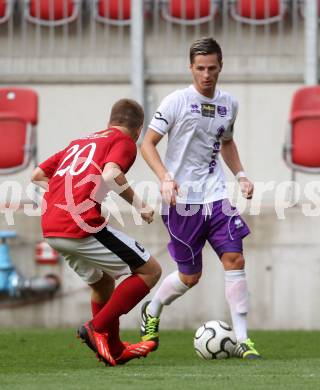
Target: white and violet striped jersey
{"points": [[196, 125]]}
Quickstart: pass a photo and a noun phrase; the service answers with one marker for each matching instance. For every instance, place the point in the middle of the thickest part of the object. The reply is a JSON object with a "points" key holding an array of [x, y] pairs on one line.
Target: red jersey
{"points": [[71, 206]]}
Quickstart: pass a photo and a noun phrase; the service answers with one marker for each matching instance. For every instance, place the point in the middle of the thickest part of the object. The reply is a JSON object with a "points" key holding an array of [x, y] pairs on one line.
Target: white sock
{"points": [[170, 289], [237, 296]]}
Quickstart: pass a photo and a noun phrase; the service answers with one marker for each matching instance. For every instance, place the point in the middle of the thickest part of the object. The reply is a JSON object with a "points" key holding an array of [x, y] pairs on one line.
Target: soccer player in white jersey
{"points": [[199, 121]]}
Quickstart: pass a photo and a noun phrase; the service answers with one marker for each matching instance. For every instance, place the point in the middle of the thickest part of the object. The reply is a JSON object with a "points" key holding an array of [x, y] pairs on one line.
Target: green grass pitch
{"points": [[55, 359]]}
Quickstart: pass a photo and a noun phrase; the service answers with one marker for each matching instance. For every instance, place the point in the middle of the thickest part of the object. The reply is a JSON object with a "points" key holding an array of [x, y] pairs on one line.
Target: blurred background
{"points": [[64, 63]]}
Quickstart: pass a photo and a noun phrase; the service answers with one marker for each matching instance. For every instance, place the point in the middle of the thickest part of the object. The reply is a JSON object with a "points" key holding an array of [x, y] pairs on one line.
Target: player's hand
{"points": [[169, 190], [246, 187], [147, 214]]}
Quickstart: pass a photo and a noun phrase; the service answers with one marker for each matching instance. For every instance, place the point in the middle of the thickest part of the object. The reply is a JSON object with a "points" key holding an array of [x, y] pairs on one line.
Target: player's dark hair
{"points": [[127, 113], [205, 46]]}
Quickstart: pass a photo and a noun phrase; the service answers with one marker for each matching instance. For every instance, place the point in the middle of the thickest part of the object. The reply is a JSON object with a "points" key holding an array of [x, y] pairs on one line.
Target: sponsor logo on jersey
{"points": [[195, 108], [222, 110], [159, 117], [238, 223], [208, 110]]}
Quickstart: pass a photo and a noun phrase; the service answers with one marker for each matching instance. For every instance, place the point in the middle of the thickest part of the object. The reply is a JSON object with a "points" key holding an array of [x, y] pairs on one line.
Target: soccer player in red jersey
{"points": [[76, 180]]}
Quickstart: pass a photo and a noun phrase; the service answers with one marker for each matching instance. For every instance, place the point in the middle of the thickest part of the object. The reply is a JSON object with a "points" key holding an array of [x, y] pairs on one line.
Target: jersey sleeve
{"points": [[228, 133], [123, 153], [51, 164], [166, 115]]}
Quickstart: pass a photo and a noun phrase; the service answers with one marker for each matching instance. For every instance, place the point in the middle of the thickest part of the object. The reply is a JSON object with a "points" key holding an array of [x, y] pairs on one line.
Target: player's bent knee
{"points": [[239, 262], [156, 272], [192, 283], [233, 261], [190, 280], [150, 272]]}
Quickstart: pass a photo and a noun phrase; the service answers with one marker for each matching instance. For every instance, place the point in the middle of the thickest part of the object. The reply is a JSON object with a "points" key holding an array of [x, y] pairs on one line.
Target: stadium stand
{"points": [[113, 12], [258, 12], [6, 8], [18, 120], [100, 28], [301, 150], [189, 12], [51, 12]]}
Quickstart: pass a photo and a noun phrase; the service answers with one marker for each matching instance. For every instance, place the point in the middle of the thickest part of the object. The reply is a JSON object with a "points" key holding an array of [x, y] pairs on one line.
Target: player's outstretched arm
{"points": [[117, 182], [229, 152], [39, 178], [169, 187]]}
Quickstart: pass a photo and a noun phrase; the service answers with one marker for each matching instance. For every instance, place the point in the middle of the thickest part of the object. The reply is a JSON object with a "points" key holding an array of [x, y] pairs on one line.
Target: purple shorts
{"points": [[190, 226]]}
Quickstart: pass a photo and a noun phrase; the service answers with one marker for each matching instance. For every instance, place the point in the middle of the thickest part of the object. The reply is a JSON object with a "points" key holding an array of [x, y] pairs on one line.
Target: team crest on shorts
{"points": [[238, 223], [208, 110]]}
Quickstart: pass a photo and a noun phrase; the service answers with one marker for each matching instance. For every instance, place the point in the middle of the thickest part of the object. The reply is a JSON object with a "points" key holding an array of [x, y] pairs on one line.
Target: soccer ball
{"points": [[214, 340]]}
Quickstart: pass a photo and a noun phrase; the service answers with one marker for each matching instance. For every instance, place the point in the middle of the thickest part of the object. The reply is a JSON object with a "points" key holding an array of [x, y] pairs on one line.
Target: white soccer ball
{"points": [[214, 340]]}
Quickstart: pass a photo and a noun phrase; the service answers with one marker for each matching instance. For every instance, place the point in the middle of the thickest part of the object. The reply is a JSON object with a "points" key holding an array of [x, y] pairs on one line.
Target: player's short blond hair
{"points": [[127, 113]]}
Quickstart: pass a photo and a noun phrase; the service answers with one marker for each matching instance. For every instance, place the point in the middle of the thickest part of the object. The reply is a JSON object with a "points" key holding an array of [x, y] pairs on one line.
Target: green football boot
{"points": [[246, 350], [149, 330]]}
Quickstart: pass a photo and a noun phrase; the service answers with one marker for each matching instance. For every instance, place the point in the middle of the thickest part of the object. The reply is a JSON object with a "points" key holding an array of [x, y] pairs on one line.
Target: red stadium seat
{"points": [[6, 8], [115, 12], [18, 120], [302, 148], [51, 12], [258, 12], [189, 12]]}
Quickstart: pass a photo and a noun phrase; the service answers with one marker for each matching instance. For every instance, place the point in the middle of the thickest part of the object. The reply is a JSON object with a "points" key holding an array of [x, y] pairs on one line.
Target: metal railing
{"points": [[91, 41]]}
